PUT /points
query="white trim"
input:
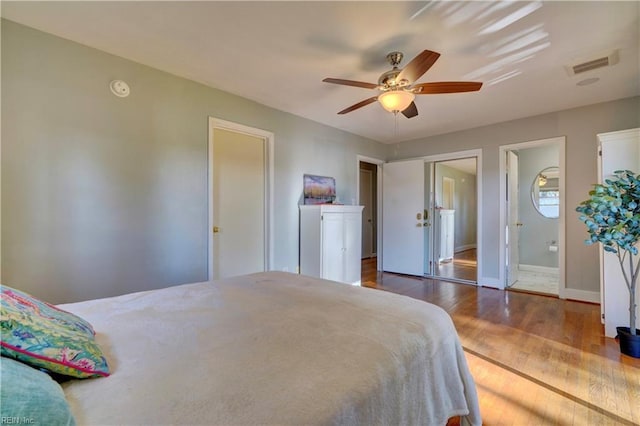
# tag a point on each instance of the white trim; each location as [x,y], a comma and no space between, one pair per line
[477,153]
[582,295]
[366,159]
[379,164]
[539,269]
[457,155]
[269,138]
[490,282]
[464,247]
[561,143]
[619,135]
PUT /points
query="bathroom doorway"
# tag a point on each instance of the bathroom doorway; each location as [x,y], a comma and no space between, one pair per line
[533,216]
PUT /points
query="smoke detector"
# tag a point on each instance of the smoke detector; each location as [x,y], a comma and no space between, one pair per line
[119,88]
[595,62]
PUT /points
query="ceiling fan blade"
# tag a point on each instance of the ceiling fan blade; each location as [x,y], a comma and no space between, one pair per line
[410,111]
[359,105]
[418,66]
[446,87]
[362,84]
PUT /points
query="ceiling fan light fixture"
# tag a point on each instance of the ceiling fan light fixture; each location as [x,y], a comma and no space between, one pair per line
[396,100]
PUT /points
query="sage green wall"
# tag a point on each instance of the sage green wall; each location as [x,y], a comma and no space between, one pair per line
[465,205]
[580,126]
[104,195]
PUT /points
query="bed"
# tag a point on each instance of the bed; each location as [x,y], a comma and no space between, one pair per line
[273,348]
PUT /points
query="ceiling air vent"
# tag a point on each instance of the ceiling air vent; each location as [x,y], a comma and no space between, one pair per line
[592,64]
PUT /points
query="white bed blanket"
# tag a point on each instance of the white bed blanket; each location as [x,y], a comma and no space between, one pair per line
[273,349]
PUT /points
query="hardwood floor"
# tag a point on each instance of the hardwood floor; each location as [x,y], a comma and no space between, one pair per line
[536,360]
[464,266]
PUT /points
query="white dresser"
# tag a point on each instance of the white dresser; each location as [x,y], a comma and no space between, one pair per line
[331,242]
[445,227]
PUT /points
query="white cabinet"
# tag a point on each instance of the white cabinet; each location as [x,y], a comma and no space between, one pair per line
[618,151]
[330,242]
[445,225]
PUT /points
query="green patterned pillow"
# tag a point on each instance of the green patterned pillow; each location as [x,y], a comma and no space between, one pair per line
[29,396]
[44,336]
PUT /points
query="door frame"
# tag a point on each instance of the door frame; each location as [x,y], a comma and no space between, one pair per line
[458,155]
[512,197]
[561,143]
[371,252]
[379,164]
[269,142]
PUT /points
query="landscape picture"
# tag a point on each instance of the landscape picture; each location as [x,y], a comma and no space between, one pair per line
[319,189]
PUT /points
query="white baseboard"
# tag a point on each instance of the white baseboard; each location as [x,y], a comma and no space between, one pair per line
[464,247]
[541,269]
[582,295]
[490,282]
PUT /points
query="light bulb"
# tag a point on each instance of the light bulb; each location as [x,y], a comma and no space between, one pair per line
[396,100]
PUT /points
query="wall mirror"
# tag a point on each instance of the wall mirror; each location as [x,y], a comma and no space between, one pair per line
[545,192]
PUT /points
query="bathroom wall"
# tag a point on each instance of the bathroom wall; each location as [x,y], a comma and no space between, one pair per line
[537,232]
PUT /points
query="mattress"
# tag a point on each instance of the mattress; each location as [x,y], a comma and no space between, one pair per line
[273,348]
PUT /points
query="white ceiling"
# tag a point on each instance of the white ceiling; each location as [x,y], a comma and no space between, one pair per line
[277,53]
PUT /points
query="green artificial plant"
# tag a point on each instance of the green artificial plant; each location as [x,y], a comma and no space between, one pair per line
[612,216]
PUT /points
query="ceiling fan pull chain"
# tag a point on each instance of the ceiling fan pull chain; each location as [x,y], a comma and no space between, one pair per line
[395,118]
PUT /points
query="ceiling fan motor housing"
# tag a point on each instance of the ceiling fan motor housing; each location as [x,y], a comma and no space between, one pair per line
[387,80]
[395,58]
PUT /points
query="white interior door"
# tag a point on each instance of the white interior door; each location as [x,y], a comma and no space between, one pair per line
[402,217]
[366,200]
[238,193]
[513,231]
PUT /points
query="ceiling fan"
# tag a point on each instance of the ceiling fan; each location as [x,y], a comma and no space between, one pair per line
[398,88]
